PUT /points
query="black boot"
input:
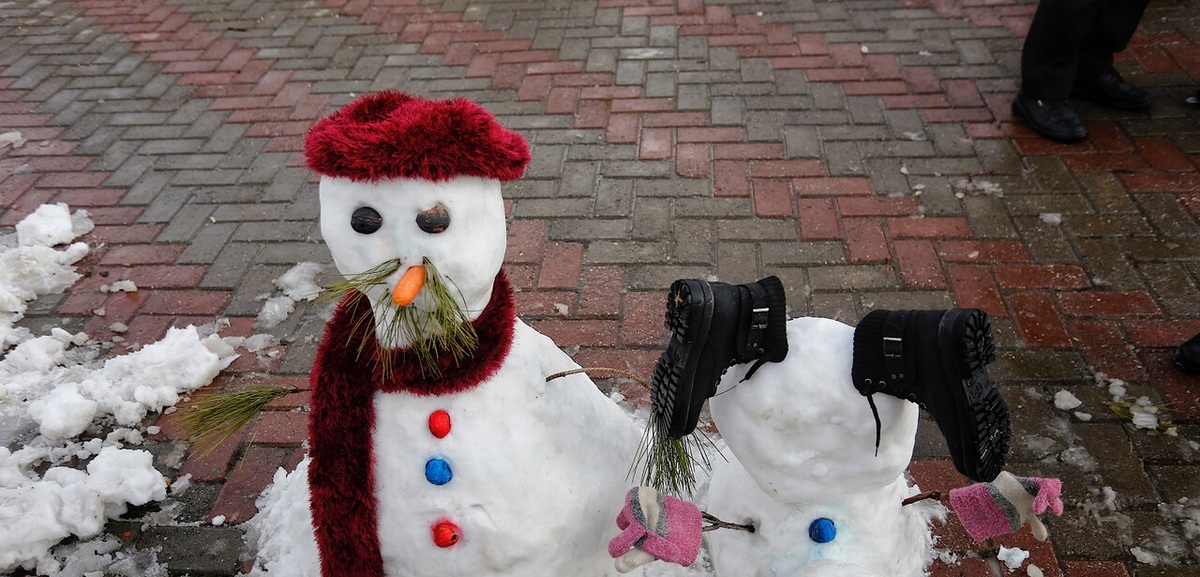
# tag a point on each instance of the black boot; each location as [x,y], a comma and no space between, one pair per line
[937,359]
[1188,355]
[714,325]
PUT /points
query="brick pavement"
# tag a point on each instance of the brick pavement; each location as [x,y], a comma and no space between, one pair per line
[862,151]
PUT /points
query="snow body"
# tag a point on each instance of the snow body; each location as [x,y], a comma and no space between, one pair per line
[537,470]
[803,448]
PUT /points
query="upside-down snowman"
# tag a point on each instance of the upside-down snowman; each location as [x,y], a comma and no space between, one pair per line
[437,445]
[816,459]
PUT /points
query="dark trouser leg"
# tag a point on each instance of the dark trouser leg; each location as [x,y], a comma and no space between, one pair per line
[1115,24]
[1050,57]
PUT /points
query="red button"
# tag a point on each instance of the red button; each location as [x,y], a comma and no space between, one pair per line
[445,534]
[439,423]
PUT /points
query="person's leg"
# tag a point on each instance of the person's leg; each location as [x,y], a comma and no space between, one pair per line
[1114,25]
[1050,57]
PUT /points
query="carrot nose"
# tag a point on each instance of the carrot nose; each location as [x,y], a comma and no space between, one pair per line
[409,285]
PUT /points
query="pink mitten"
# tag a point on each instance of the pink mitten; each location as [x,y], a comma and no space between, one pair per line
[1004,505]
[653,527]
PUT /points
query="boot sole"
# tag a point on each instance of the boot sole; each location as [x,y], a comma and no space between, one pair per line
[675,403]
[980,420]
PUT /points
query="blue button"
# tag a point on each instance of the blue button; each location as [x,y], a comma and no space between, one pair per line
[437,471]
[822,530]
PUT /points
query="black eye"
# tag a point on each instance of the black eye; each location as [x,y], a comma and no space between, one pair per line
[434,220]
[365,220]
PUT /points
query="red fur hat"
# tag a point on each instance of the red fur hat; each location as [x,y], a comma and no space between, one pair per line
[394,135]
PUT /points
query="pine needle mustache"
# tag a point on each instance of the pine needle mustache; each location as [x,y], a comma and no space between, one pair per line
[440,328]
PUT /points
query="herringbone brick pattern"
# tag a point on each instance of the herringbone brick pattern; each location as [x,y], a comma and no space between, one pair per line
[862,151]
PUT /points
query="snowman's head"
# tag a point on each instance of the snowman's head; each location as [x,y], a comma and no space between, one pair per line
[411,207]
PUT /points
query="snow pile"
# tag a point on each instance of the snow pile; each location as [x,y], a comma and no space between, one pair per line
[30,266]
[1012,557]
[297,284]
[12,138]
[1065,401]
[69,416]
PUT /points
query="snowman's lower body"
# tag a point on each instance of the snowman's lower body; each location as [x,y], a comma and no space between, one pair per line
[867,533]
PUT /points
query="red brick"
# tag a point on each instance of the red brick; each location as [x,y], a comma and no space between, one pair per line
[692,160]
[1161,332]
[1108,304]
[642,319]
[1107,136]
[562,101]
[1033,276]
[975,287]
[883,66]
[846,54]
[546,303]
[849,74]
[748,151]
[874,87]
[908,101]
[88,198]
[644,105]
[601,292]
[865,241]
[919,265]
[1161,182]
[526,241]
[125,234]
[554,68]
[772,198]
[731,178]
[1162,153]
[72,180]
[929,227]
[656,144]
[279,428]
[877,206]
[786,168]
[962,93]
[249,476]
[817,219]
[922,79]
[139,254]
[561,265]
[610,92]
[207,464]
[957,115]
[572,332]
[1038,321]
[639,361]
[174,276]
[1105,162]
[1104,347]
[622,128]
[591,114]
[536,88]
[831,186]
[186,302]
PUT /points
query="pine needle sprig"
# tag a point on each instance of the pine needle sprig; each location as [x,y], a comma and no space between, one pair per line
[669,465]
[211,420]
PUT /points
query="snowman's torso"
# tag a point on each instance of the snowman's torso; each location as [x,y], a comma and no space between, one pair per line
[803,448]
[530,473]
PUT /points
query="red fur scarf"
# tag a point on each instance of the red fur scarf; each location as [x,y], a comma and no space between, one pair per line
[341,476]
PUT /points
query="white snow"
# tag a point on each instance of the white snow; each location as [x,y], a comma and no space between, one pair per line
[1065,401]
[1051,217]
[1012,557]
[12,138]
[297,284]
[73,415]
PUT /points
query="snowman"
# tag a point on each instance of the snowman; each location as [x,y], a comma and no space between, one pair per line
[820,420]
[437,445]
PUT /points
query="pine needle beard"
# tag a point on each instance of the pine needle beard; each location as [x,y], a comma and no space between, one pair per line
[438,333]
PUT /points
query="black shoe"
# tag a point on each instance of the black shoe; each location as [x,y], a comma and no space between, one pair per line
[714,325]
[1110,90]
[937,359]
[1052,119]
[1188,355]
